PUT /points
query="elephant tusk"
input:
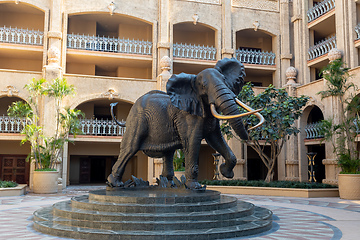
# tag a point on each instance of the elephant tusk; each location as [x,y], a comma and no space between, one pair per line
[226,117]
[252,111]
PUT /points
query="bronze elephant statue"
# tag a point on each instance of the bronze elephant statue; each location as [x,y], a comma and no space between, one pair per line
[161,122]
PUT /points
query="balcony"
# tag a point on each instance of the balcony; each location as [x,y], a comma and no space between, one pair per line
[192,51]
[11,124]
[313,131]
[21,36]
[321,48]
[95,127]
[250,56]
[357,30]
[320,9]
[109,44]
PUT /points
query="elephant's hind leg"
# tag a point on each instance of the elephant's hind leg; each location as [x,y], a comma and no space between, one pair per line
[168,167]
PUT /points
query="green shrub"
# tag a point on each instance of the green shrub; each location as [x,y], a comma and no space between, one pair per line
[275,184]
[7,184]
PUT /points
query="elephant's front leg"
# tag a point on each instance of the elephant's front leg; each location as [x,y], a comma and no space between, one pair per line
[217,142]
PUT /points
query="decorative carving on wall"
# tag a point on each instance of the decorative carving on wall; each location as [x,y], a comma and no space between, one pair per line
[334,54]
[110,94]
[195,17]
[269,5]
[53,56]
[256,25]
[291,74]
[111,8]
[10,91]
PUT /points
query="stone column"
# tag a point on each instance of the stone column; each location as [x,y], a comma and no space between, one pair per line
[286,55]
[352,18]
[165,65]
[163,44]
[342,28]
[227,49]
[289,166]
[301,39]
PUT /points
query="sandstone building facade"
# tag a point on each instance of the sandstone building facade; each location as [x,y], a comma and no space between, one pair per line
[115,51]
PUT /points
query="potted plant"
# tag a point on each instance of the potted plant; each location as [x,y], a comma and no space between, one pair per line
[46,150]
[342,134]
[179,161]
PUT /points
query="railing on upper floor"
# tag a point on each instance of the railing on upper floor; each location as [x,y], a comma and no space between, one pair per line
[313,131]
[102,127]
[322,47]
[11,124]
[320,9]
[357,30]
[255,56]
[109,44]
[183,50]
[21,36]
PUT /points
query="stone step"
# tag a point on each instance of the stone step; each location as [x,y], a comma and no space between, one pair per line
[64,209]
[46,214]
[83,202]
[157,196]
[247,228]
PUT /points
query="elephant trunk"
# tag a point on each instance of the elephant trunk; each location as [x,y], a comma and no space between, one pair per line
[226,104]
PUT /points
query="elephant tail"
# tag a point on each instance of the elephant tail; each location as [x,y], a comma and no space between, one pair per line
[112,105]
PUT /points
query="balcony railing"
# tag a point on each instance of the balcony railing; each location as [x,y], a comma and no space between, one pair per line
[255,57]
[322,47]
[21,36]
[320,9]
[109,44]
[357,30]
[11,124]
[101,127]
[313,131]
[183,50]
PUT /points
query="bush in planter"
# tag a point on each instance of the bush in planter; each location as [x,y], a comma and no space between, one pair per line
[342,135]
[7,184]
[46,150]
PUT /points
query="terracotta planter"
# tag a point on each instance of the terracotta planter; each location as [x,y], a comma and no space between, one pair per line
[45,181]
[349,186]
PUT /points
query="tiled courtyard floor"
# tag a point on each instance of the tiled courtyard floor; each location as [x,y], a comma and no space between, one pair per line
[294,218]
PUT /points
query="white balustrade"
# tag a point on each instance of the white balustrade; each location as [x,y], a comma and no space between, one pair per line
[109,44]
[11,124]
[96,127]
[183,50]
[21,36]
[322,47]
[320,9]
[357,30]
[313,130]
[255,57]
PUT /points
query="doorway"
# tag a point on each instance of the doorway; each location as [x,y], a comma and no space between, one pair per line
[14,168]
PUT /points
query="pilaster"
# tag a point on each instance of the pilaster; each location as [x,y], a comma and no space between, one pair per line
[163,45]
[227,49]
[286,55]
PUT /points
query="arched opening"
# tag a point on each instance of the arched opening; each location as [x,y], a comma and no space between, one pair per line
[94,153]
[13,164]
[196,42]
[313,141]
[117,34]
[21,24]
[256,169]
[255,48]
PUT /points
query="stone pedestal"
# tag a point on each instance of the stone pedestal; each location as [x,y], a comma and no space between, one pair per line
[153,213]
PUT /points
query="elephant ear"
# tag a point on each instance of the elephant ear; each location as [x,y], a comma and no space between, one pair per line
[183,94]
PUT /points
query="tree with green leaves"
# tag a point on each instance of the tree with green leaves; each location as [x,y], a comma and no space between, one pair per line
[342,134]
[46,150]
[280,112]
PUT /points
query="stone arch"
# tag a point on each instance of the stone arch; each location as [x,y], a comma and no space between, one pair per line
[212,27]
[136,17]
[94,97]
[35,4]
